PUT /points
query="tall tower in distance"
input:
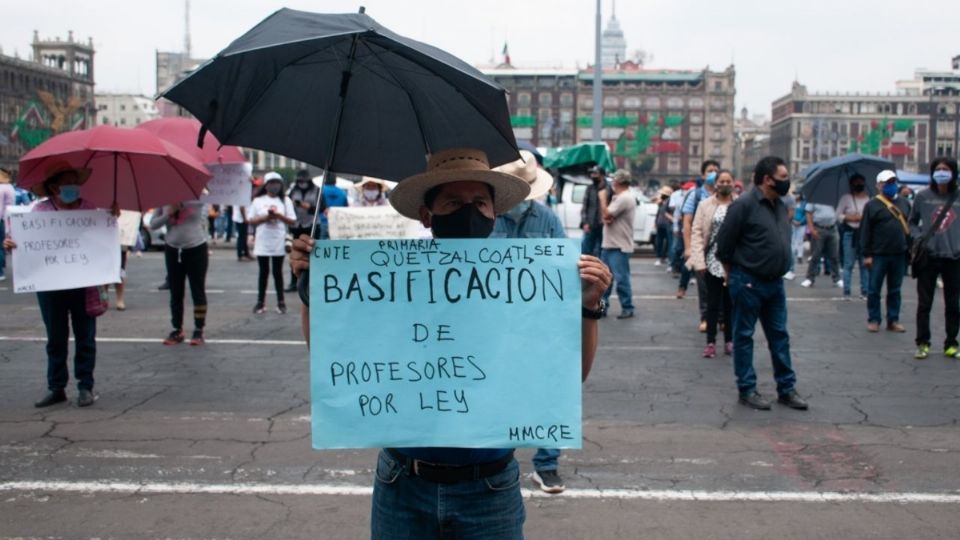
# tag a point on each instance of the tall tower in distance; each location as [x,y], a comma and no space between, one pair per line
[613,45]
[74,57]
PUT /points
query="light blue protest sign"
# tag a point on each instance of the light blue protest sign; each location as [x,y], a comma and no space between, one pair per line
[450,343]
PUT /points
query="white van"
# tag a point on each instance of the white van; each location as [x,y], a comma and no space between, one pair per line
[571,200]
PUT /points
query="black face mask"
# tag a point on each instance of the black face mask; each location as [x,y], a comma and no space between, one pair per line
[858,188]
[781,187]
[466,222]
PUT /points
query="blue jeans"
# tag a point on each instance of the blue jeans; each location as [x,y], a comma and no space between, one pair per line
[60,309]
[676,252]
[851,253]
[892,268]
[408,507]
[662,241]
[591,241]
[619,263]
[546,459]
[754,299]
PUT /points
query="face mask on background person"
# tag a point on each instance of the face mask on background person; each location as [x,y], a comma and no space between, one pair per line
[724,190]
[858,188]
[781,187]
[890,190]
[274,189]
[942,177]
[711,178]
[467,222]
[303,183]
[371,194]
[69,194]
[517,211]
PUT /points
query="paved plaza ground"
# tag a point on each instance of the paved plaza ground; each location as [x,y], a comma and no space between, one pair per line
[213,442]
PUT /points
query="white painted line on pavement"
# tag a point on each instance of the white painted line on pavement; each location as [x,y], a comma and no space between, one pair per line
[190,488]
[158,340]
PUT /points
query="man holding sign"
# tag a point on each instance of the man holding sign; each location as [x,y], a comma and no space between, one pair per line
[432,492]
[60,308]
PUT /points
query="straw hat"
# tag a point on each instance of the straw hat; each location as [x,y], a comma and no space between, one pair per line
[457,165]
[54,168]
[526,169]
[384,185]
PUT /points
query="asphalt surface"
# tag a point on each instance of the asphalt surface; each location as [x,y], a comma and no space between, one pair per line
[213,442]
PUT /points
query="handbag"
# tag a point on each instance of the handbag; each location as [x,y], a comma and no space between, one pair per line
[919,254]
[97,300]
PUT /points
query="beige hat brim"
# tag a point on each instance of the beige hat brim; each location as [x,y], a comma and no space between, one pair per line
[541,185]
[407,197]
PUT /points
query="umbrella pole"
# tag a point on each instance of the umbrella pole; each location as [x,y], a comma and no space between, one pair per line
[303,284]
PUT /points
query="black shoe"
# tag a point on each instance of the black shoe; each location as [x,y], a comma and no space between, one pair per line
[549,481]
[755,401]
[792,399]
[85,398]
[165,286]
[292,287]
[625,315]
[52,398]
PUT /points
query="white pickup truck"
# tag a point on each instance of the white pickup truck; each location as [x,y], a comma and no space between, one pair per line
[571,200]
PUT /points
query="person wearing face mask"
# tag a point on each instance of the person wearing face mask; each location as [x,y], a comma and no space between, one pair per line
[595,200]
[703,260]
[705,186]
[934,223]
[532,219]
[475,491]
[65,308]
[373,192]
[884,240]
[303,195]
[849,213]
[754,247]
[271,213]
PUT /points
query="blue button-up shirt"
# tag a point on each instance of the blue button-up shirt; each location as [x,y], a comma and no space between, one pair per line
[537,222]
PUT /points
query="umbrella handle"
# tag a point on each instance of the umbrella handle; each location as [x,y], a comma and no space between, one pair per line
[303,287]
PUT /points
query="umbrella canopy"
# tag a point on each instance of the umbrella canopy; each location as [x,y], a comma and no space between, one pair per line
[342,92]
[827,181]
[579,154]
[183,132]
[132,167]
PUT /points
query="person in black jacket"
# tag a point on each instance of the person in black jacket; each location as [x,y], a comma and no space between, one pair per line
[884,240]
[595,201]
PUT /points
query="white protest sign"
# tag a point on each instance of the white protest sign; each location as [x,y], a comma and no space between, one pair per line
[370,222]
[67,249]
[230,185]
[129,223]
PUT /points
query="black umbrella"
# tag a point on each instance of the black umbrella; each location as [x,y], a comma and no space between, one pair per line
[342,92]
[825,182]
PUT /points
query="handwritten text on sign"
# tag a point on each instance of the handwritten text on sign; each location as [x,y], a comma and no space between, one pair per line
[367,222]
[453,343]
[67,249]
[230,184]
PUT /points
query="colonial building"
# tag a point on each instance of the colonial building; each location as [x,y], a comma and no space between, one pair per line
[125,110]
[660,123]
[50,93]
[908,127]
[752,136]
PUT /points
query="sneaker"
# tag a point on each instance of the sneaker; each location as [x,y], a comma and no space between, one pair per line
[789,276]
[728,348]
[951,351]
[85,398]
[549,481]
[3,277]
[165,286]
[896,327]
[806,283]
[625,315]
[281,308]
[259,308]
[793,400]
[923,351]
[51,398]
[839,283]
[710,351]
[657,263]
[175,338]
[873,327]
[703,327]
[863,296]
[681,293]
[197,339]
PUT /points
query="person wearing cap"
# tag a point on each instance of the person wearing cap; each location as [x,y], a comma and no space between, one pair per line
[63,308]
[372,191]
[7,198]
[271,213]
[595,200]
[618,241]
[303,195]
[187,258]
[473,492]
[884,240]
[849,213]
[664,221]
[531,219]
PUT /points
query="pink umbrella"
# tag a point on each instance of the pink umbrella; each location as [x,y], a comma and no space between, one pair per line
[132,167]
[184,132]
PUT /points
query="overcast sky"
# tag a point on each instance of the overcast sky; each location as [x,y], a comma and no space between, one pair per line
[828,45]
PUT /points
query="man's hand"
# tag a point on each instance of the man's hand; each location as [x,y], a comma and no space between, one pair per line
[814,234]
[9,244]
[595,278]
[300,254]
[115,209]
[868,262]
[686,254]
